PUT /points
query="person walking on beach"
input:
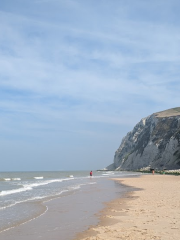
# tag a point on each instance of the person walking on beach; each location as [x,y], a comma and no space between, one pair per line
[90,173]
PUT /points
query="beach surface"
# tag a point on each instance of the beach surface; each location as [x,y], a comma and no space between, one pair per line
[151,211]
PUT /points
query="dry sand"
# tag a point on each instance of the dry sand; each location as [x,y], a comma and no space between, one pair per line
[151,212]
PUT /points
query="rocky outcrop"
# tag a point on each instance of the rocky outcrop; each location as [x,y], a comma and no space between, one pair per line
[153,143]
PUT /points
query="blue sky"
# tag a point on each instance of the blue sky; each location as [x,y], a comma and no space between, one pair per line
[76,76]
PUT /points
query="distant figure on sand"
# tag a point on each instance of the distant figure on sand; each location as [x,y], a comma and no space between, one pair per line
[90,173]
[152,170]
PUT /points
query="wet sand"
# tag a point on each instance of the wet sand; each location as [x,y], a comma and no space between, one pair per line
[150,212]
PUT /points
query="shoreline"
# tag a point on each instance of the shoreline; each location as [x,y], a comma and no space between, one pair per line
[150,211]
[69,214]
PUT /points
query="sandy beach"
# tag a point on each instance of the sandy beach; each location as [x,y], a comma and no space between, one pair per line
[152,211]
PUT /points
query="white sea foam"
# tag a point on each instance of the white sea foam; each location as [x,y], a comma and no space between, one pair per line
[28,187]
[7,192]
[33,199]
[17,202]
[11,179]
[39,177]
[75,187]
[46,182]
[107,173]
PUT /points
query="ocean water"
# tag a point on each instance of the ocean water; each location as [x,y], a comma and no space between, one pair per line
[21,193]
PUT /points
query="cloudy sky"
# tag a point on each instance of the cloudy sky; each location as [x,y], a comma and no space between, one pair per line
[77,75]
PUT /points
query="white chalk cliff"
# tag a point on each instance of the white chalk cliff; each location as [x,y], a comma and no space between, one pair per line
[153,143]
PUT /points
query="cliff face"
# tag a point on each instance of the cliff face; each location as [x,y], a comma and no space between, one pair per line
[153,143]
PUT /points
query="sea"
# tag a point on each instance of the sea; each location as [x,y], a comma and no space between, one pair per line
[22,195]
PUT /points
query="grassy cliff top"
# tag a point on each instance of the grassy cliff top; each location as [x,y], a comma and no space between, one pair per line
[168,113]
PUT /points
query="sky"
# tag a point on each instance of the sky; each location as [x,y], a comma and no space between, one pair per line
[77,75]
